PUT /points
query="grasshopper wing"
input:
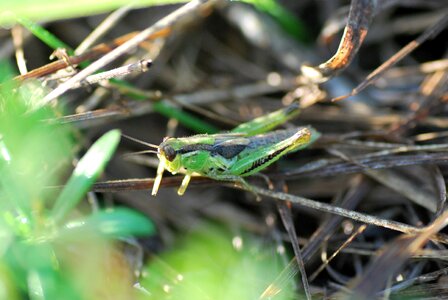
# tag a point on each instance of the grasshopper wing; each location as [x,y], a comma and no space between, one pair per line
[230,148]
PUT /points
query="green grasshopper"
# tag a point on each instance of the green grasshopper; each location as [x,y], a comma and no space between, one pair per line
[244,151]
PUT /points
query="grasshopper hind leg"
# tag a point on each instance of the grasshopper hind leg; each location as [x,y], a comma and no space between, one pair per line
[266,180]
[240,181]
[235,179]
[248,187]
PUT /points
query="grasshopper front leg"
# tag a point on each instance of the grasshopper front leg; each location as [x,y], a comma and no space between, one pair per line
[158,179]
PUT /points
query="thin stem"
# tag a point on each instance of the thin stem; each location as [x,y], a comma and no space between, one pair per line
[124,48]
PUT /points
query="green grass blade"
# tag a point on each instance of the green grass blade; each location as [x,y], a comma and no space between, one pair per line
[44,35]
[85,174]
[63,9]
[184,118]
[162,107]
[287,20]
[112,224]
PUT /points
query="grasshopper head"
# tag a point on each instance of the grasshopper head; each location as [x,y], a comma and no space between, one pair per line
[169,156]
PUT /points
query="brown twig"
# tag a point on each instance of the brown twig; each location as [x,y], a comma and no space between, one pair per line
[372,77]
[165,22]
[359,19]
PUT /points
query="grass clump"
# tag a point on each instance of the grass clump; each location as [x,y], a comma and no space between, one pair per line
[50,250]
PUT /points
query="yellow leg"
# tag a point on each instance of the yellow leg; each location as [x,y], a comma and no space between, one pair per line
[158,179]
[184,185]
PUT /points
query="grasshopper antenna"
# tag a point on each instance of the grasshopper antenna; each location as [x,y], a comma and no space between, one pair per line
[161,166]
[140,141]
[139,152]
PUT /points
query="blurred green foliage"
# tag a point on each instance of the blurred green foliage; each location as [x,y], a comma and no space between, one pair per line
[285,18]
[49,250]
[211,263]
[45,10]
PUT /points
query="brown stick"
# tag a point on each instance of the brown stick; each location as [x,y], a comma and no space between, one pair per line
[94,53]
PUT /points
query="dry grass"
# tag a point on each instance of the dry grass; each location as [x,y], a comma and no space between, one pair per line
[376,177]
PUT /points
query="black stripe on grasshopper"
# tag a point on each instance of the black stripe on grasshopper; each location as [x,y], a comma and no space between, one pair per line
[264,160]
[227,151]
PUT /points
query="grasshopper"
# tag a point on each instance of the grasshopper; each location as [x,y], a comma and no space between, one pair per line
[244,151]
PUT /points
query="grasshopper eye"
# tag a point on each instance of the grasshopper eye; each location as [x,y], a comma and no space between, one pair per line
[169,152]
